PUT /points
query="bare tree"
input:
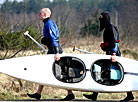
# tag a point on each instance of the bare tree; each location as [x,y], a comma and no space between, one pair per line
[128,20]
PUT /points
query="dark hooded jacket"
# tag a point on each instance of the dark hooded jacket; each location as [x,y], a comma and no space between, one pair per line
[110,35]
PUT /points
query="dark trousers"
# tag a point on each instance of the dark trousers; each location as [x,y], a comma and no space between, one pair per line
[109,52]
[52,50]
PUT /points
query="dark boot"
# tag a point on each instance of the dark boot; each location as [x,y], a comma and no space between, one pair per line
[92,96]
[129,97]
[35,95]
[68,97]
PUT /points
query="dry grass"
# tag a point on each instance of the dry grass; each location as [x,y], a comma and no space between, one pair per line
[12,88]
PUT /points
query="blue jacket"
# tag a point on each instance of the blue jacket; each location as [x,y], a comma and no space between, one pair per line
[51,32]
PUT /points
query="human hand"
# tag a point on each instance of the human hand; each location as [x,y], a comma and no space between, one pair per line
[57,57]
[113,58]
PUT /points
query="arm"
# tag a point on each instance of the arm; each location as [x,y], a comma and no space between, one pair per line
[114,51]
[116,39]
[54,34]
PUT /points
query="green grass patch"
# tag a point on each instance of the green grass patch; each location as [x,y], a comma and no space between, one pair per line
[132,53]
[9,96]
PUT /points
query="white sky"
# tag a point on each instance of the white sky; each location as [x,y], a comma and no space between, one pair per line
[2,1]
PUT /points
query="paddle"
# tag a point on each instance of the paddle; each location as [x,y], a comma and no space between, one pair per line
[74,48]
[27,34]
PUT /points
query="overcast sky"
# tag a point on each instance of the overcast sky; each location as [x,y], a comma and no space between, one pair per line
[2,1]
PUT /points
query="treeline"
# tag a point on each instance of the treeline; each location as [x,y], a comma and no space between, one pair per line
[35,5]
[78,18]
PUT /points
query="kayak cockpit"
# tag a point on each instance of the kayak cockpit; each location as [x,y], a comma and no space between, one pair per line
[105,72]
[69,69]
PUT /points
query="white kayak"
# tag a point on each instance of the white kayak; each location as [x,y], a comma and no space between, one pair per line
[84,72]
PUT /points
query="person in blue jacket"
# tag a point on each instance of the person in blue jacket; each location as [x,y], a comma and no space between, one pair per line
[110,46]
[51,40]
